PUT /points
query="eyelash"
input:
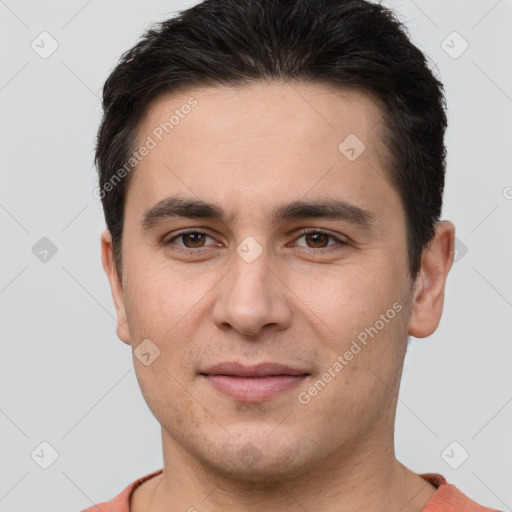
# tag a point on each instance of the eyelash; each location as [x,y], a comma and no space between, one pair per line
[306,231]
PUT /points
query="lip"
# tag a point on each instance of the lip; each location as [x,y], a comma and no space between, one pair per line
[265,369]
[256,383]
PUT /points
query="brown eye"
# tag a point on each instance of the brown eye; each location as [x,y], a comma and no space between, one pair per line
[317,240]
[193,240]
[189,240]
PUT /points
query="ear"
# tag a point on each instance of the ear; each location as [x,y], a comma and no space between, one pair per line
[428,294]
[116,286]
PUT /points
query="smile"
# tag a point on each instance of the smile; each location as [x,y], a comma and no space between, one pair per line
[253,383]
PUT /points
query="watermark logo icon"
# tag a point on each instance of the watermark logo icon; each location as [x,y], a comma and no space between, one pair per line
[44,250]
[44,45]
[454,45]
[44,455]
[249,455]
[352,147]
[249,250]
[455,455]
[147,352]
[460,250]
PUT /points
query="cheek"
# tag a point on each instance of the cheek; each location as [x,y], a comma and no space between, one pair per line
[158,297]
[167,308]
[164,394]
[349,299]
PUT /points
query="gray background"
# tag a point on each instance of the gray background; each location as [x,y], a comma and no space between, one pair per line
[67,380]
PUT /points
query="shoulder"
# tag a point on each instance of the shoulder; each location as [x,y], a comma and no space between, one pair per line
[450,499]
[121,503]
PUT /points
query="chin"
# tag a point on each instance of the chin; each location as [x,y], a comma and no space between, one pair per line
[261,457]
[251,466]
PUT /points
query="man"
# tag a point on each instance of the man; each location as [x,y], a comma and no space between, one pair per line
[271,173]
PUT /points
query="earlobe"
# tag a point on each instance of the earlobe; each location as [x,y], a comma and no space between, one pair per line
[429,286]
[116,287]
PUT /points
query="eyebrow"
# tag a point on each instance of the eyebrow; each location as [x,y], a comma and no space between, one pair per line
[328,208]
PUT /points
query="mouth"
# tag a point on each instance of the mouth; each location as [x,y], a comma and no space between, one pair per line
[257,383]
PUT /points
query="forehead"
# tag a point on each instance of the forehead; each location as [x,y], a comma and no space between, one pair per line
[264,109]
[261,142]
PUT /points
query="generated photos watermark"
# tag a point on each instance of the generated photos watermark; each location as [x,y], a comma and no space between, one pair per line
[342,361]
[149,144]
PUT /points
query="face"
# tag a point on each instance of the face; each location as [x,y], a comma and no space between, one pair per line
[261,229]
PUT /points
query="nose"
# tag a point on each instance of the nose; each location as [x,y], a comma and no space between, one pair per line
[252,298]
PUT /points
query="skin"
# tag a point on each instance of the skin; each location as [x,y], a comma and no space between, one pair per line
[301,302]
